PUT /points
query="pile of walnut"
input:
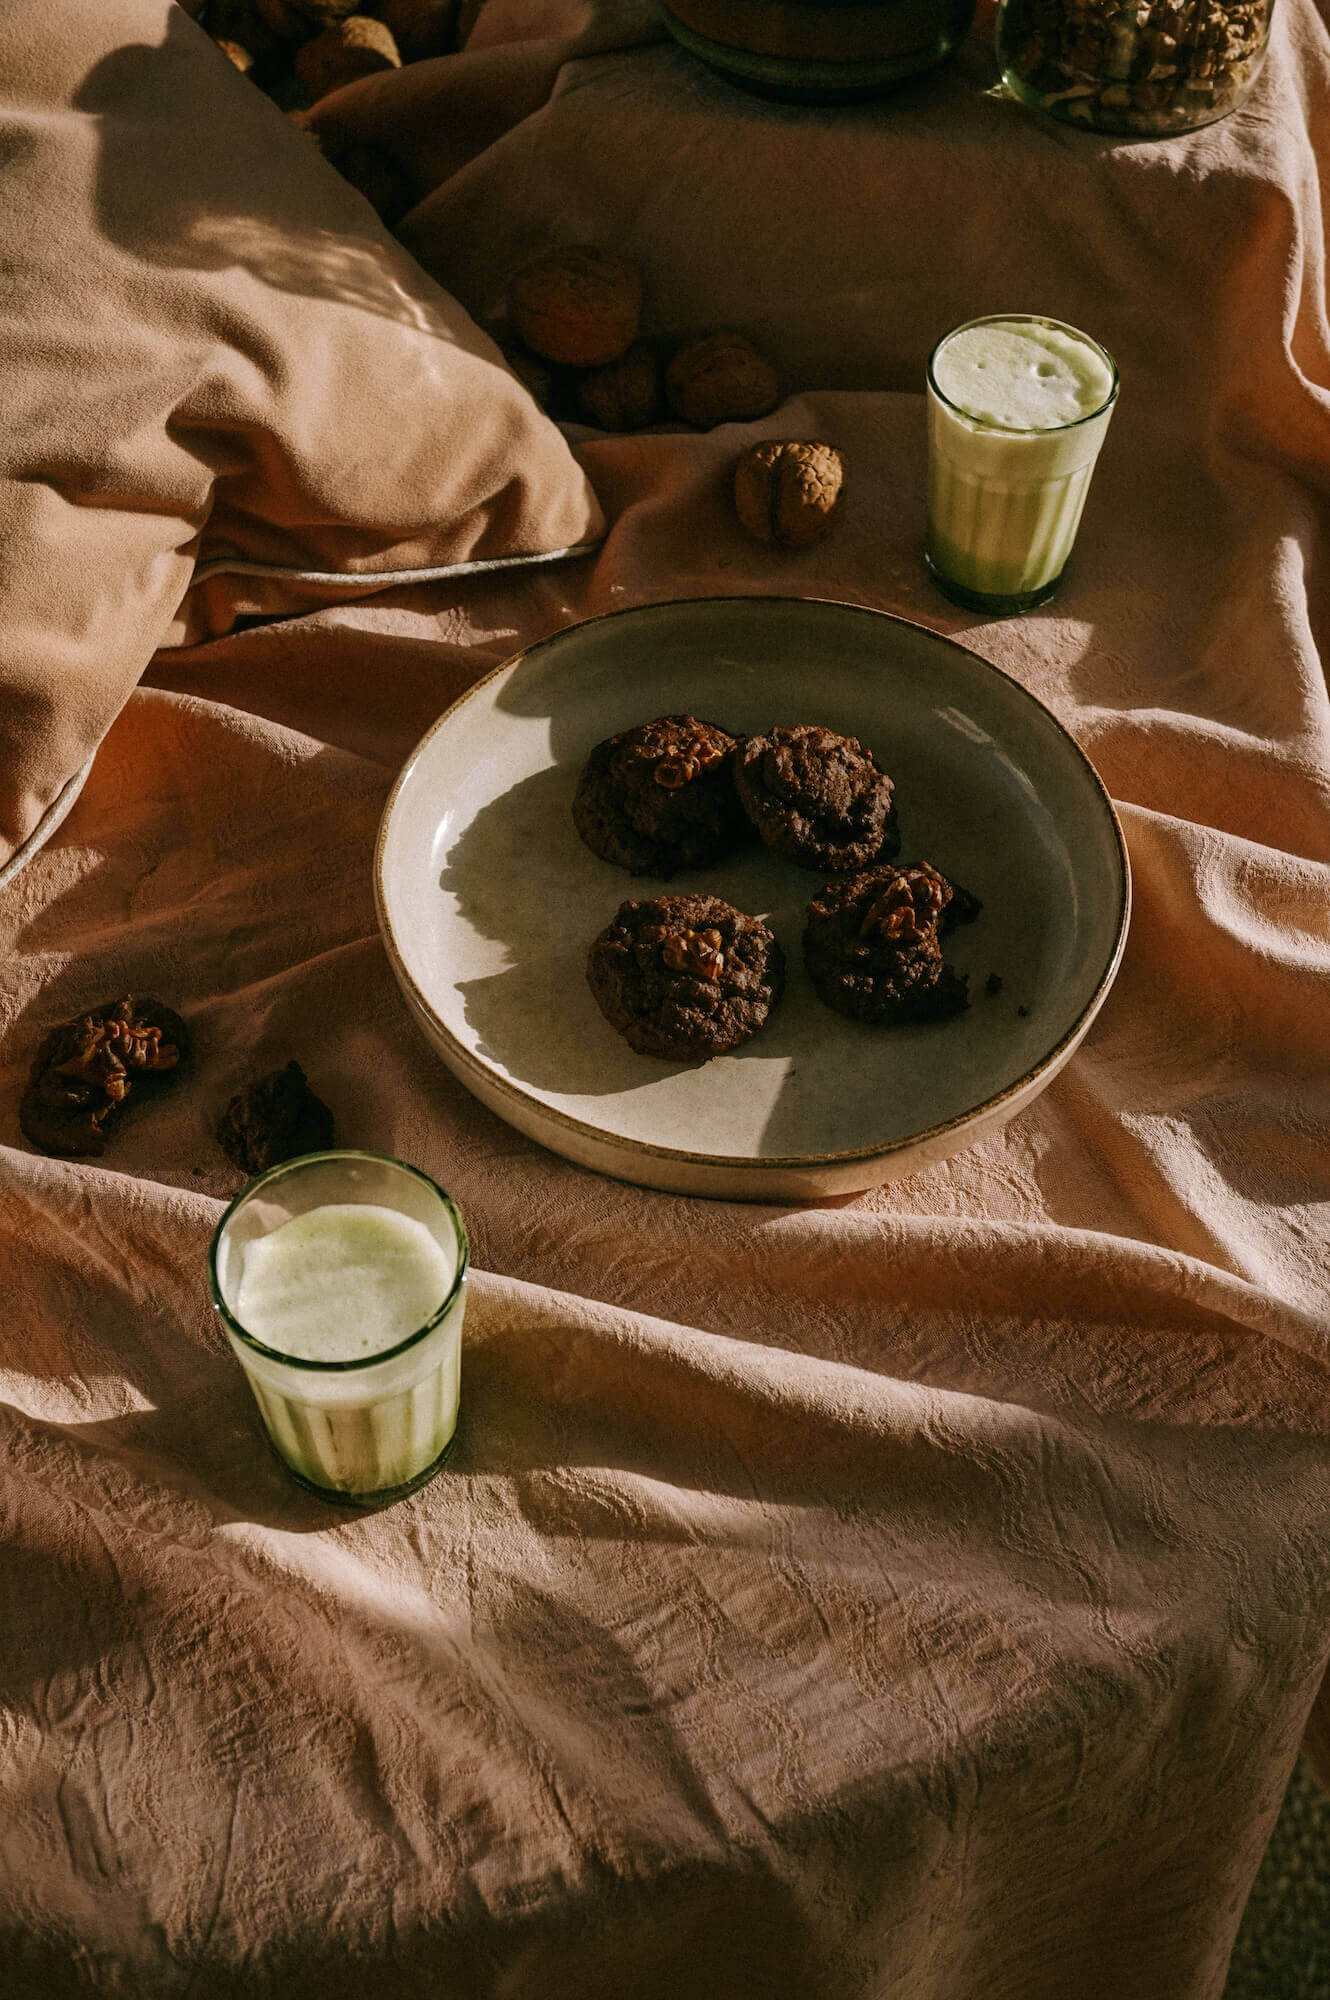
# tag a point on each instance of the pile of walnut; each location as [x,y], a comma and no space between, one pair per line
[297,51]
[574,316]
[574,336]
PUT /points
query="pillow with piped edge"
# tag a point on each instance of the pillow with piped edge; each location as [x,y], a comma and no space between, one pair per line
[224,388]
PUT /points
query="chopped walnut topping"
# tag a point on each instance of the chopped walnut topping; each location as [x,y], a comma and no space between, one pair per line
[699,953]
[906,909]
[674,772]
[87,1068]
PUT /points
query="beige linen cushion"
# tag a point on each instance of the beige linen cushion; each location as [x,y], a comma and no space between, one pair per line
[212,356]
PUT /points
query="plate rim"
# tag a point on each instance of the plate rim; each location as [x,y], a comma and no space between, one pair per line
[748,1162]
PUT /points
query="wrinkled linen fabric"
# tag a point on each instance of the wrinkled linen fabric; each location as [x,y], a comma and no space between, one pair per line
[213,360]
[917,1594]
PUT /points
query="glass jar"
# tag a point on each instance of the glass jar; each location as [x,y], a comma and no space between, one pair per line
[1144,70]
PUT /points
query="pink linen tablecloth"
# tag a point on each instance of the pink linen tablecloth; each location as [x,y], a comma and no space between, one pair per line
[922,1594]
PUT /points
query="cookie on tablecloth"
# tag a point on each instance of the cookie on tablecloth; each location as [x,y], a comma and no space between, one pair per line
[87,1070]
[661,797]
[873,944]
[685,977]
[819,798]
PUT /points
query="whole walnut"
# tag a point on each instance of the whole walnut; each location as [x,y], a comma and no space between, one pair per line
[721,379]
[580,306]
[345,51]
[625,394]
[787,489]
[420,28]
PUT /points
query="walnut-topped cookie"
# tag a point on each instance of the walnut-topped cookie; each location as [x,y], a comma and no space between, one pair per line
[661,797]
[685,978]
[86,1070]
[873,944]
[819,798]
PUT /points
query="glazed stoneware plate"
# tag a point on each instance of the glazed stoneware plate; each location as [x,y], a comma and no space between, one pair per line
[488,900]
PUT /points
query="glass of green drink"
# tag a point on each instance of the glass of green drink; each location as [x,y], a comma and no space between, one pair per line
[341,1281]
[1018,407]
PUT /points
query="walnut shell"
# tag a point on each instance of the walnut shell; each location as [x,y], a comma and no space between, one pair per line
[786,490]
[347,50]
[625,394]
[276,1118]
[420,28]
[721,379]
[234,52]
[580,306]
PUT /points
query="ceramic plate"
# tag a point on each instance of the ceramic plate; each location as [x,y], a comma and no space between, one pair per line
[488,900]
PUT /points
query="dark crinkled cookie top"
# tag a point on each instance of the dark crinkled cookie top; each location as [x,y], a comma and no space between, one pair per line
[276,1118]
[817,797]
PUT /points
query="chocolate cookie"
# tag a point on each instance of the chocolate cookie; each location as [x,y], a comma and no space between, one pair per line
[873,944]
[817,797]
[276,1118]
[661,797]
[86,1070]
[685,977]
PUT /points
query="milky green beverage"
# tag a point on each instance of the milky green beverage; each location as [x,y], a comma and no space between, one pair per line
[1017,411]
[341,1281]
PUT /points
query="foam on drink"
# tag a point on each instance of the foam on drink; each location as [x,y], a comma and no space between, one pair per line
[342,1282]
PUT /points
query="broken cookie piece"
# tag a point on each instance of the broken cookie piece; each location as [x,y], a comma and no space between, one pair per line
[275,1119]
[87,1069]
